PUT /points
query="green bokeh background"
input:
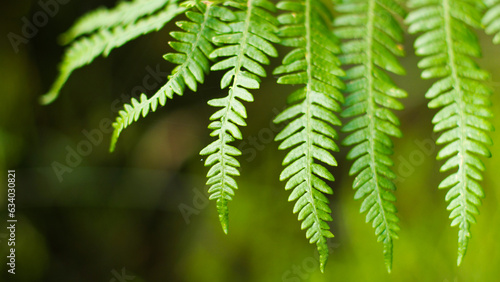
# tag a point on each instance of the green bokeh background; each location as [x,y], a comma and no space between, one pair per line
[120,213]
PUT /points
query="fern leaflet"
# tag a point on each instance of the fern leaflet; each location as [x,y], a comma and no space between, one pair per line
[491,19]
[246,49]
[84,50]
[448,45]
[310,134]
[194,47]
[373,37]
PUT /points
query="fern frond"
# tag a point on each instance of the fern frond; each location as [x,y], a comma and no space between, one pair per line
[245,49]
[310,113]
[372,41]
[491,19]
[125,13]
[194,46]
[84,50]
[448,45]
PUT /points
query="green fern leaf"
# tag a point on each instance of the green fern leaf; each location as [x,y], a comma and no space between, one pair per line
[245,49]
[123,14]
[194,46]
[311,114]
[84,50]
[372,37]
[448,45]
[491,19]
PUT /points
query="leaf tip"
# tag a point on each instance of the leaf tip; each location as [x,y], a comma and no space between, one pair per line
[224,223]
[112,146]
[389,267]
[114,139]
[460,258]
[462,249]
[48,98]
[322,263]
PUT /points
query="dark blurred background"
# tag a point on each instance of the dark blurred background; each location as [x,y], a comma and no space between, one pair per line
[141,213]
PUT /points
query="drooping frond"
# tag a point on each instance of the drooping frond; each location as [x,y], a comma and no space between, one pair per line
[245,50]
[491,19]
[194,46]
[125,13]
[310,113]
[448,44]
[85,49]
[372,41]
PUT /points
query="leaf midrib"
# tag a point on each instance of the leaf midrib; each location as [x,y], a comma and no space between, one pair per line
[461,124]
[224,118]
[309,117]
[371,113]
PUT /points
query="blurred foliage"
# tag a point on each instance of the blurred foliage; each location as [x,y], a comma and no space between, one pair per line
[119,213]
